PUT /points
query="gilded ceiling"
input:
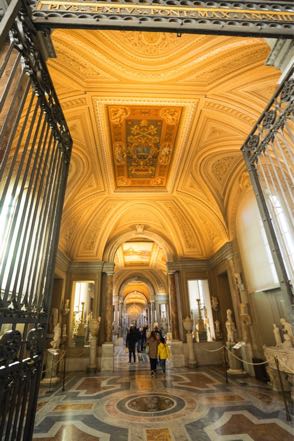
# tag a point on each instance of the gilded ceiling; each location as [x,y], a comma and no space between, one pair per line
[142,141]
[157,122]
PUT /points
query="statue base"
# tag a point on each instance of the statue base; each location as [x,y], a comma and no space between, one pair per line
[235,365]
[51,367]
[246,352]
[177,354]
[107,357]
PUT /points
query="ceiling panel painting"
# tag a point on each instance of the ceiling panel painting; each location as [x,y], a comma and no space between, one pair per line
[143,139]
[137,253]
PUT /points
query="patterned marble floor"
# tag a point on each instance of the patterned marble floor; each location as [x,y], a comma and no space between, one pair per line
[183,405]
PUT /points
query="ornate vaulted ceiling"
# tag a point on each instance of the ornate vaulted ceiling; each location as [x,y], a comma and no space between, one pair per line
[157,122]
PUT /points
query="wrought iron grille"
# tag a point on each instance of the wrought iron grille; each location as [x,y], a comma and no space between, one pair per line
[269,154]
[35,147]
[272,18]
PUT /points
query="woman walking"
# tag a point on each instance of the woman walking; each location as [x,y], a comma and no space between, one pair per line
[152,343]
[163,354]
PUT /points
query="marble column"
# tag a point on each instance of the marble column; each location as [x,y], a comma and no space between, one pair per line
[152,317]
[157,310]
[108,306]
[174,319]
[120,315]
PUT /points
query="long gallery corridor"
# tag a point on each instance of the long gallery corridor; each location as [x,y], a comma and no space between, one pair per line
[146,216]
[184,405]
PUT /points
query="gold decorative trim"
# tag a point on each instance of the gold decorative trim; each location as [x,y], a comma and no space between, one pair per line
[165,11]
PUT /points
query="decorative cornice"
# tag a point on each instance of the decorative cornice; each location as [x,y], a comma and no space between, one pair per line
[86,267]
[108,268]
[187,265]
[62,261]
[226,252]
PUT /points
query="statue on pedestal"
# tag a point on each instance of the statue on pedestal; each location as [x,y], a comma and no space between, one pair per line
[94,325]
[277,335]
[287,329]
[245,321]
[214,303]
[230,327]
[55,343]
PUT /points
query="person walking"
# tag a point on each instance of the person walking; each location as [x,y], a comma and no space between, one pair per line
[152,343]
[131,342]
[163,354]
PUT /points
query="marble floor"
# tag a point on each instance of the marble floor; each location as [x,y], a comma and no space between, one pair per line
[183,405]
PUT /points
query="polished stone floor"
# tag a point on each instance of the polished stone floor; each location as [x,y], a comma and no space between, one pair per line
[183,405]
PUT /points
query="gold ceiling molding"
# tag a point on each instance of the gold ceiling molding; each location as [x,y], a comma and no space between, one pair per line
[190,213]
[113,55]
[229,109]
[143,140]
[113,150]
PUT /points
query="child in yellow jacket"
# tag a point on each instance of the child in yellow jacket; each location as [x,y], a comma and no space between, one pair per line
[163,354]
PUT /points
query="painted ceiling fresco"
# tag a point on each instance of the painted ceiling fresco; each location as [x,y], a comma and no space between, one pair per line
[143,140]
[137,253]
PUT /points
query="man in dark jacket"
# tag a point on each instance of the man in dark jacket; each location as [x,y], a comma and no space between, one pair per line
[132,337]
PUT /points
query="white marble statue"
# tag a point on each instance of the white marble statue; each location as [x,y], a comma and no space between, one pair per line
[55,343]
[230,327]
[245,321]
[287,343]
[287,328]
[217,328]
[94,325]
[277,335]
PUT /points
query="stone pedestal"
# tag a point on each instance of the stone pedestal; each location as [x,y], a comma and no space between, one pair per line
[235,366]
[51,367]
[174,319]
[192,362]
[92,354]
[246,355]
[285,357]
[275,380]
[107,357]
[108,306]
[119,341]
[177,354]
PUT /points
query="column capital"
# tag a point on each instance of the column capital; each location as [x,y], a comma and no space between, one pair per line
[108,268]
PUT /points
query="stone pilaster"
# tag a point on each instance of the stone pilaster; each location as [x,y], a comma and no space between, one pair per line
[109,270]
[174,319]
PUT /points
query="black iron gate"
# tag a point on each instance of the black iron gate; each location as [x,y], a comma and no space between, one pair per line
[35,147]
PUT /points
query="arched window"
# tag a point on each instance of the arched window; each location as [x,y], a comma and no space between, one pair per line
[255,252]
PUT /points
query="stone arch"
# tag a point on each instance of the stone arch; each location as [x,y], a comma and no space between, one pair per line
[113,245]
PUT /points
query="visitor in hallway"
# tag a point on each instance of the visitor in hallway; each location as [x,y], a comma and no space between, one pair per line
[163,354]
[153,343]
[158,332]
[131,342]
[144,337]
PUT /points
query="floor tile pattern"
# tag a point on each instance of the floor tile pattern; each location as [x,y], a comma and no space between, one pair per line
[183,405]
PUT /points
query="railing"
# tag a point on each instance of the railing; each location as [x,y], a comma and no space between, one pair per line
[35,147]
[269,154]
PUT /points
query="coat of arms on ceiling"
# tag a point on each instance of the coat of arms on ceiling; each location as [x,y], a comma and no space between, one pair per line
[143,140]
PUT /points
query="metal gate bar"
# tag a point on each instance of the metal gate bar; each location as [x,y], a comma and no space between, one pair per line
[35,147]
[268,153]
